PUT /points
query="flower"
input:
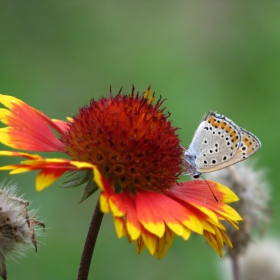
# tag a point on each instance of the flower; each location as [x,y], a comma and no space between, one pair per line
[254,205]
[125,146]
[16,227]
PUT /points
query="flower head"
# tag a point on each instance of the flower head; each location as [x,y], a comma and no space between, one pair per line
[129,139]
[16,227]
[125,146]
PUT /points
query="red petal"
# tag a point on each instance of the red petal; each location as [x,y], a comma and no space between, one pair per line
[28,128]
[123,204]
[46,177]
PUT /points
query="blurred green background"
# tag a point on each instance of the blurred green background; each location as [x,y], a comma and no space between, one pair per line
[200,55]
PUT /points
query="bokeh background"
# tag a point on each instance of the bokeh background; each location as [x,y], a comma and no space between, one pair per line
[199,55]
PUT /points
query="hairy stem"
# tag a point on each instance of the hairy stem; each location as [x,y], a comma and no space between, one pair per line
[90,243]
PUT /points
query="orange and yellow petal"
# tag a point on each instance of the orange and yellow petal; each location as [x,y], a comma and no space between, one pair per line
[216,240]
[123,205]
[164,244]
[28,128]
[198,194]
[140,245]
[155,211]
[51,168]
[46,177]
[120,227]
[155,245]
[151,219]
[20,154]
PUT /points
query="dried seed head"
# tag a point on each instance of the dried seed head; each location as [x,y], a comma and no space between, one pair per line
[254,204]
[16,226]
[260,261]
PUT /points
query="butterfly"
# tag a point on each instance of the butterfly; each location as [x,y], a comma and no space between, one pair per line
[218,143]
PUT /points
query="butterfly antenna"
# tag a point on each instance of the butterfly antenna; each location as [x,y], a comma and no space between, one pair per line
[204,192]
[210,189]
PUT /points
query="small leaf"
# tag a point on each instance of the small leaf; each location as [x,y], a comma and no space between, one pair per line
[77,178]
[90,188]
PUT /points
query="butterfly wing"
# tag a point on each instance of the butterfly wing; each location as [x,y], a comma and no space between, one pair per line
[218,143]
[215,142]
[249,145]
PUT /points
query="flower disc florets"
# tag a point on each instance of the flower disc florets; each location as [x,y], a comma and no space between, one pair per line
[129,139]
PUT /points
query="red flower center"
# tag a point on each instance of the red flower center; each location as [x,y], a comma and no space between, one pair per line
[129,139]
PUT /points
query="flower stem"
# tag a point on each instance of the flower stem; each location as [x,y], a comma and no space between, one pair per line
[235,267]
[90,243]
[3,269]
